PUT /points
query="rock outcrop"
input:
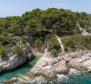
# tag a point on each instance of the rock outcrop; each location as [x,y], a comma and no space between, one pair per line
[49,68]
[12,63]
[14,60]
[61,67]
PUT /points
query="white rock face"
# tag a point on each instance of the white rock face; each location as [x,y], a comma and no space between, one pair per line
[12,63]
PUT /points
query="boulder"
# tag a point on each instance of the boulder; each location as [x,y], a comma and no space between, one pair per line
[61,67]
[48,72]
[73,71]
[87,64]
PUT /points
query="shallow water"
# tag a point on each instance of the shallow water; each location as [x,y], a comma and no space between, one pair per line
[20,71]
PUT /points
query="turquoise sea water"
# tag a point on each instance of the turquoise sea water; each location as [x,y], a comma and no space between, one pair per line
[20,71]
[79,79]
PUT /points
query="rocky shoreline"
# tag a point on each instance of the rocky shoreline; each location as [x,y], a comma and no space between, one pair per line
[49,69]
[12,63]
[14,60]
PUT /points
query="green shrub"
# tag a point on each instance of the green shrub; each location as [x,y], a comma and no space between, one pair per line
[2,52]
[54,47]
[77,42]
[37,42]
[18,49]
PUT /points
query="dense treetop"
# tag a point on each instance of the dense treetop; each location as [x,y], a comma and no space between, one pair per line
[34,26]
[52,19]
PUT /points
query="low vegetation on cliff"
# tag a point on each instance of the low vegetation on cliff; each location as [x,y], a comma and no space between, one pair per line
[77,42]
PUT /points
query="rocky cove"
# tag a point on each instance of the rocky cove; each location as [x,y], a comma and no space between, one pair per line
[17,66]
[19,71]
[50,70]
[51,46]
